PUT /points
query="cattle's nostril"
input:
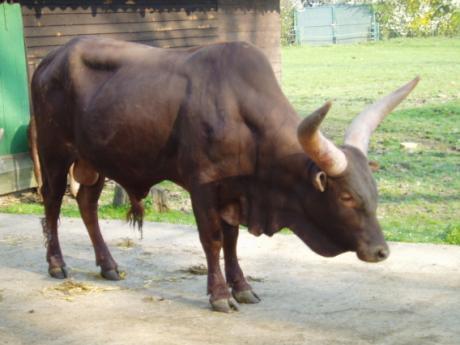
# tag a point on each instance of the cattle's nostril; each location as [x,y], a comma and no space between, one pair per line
[382,253]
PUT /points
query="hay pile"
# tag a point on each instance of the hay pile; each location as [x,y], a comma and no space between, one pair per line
[70,289]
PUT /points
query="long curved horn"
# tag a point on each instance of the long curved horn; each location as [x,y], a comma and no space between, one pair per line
[322,151]
[360,130]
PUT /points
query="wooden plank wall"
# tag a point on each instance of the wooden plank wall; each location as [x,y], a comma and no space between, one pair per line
[163,23]
[256,21]
[160,23]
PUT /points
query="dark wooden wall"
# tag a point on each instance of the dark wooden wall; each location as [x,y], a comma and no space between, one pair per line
[256,21]
[159,23]
[163,23]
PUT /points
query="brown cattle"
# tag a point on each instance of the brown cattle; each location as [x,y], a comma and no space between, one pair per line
[214,120]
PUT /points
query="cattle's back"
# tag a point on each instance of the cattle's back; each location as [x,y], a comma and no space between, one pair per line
[148,113]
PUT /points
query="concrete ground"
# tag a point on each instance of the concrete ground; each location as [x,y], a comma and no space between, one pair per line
[412,298]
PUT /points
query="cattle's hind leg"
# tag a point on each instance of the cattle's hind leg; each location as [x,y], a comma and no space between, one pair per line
[87,199]
[241,290]
[54,183]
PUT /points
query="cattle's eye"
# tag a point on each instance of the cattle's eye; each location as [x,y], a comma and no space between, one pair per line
[348,199]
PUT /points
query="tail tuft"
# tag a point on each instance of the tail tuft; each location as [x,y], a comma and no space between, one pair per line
[135,215]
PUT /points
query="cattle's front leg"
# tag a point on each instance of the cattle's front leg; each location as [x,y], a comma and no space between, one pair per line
[211,237]
[241,289]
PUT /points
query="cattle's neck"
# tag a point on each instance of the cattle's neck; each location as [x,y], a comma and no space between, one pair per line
[271,198]
[276,198]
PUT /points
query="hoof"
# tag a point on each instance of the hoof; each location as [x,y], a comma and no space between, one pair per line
[246,296]
[111,274]
[224,305]
[58,272]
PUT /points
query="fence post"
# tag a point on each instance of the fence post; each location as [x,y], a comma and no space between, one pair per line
[296,28]
[377,29]
[334,37]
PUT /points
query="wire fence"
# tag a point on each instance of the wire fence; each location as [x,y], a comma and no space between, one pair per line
[335,25]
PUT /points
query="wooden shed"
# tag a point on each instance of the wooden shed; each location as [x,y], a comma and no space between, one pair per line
[43,25]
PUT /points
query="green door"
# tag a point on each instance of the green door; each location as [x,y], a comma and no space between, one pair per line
[15,165]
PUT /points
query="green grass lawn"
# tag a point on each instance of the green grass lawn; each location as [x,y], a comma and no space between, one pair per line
[420,190]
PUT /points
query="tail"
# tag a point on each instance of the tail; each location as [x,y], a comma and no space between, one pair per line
[32,136]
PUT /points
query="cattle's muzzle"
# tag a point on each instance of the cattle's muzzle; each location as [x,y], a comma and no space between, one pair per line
[374,253]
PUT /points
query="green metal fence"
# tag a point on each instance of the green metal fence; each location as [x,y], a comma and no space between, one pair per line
[15,164]
[335,24]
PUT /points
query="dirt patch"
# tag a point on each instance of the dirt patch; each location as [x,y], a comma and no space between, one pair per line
[255,279]
[126,243]
[152,299]
[70,289]
[28,197]
[412,298]
[14,240]
[197,270]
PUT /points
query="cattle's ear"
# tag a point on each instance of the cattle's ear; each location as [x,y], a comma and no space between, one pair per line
[374,166]
[320,181]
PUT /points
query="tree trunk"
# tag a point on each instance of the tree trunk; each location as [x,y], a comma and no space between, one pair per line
[159,199]
[120,197]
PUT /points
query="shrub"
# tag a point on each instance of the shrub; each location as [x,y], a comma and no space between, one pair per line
[453,235]
[418,17]
[287,22]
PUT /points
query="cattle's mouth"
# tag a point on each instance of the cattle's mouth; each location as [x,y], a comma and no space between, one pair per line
[318,240]
[373,253]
